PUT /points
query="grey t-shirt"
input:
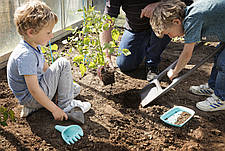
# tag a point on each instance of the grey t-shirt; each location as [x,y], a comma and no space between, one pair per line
[204,18]
[24,60]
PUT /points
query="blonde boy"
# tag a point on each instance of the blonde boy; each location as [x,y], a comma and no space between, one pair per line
[204,18]
[29,77]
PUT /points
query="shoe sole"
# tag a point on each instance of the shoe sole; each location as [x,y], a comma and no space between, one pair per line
[200,94]
[212,110]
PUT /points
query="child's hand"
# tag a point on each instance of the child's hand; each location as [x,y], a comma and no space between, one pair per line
[59,115]
[171,74]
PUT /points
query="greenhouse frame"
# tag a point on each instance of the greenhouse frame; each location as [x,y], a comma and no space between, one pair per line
[66,10]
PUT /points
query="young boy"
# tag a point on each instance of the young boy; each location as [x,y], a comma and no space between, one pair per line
[204,18]
[29,77]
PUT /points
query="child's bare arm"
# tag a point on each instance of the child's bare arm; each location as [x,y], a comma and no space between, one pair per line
[41,97]
[183,59]
[45,67]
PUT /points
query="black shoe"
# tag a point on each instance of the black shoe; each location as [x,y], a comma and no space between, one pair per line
[151,72]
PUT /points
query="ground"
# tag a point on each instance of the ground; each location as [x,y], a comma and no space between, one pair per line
[116,122]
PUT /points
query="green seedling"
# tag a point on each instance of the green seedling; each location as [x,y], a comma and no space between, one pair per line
[5,115]
[47,53]
[86,40]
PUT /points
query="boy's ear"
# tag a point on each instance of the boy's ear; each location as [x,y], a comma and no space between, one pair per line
[177,21]
[30,32]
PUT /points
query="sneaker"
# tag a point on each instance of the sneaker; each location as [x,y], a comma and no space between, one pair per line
[203,89]
[85,106]
[151,72]
[212,103]
[26,111]
[76,89]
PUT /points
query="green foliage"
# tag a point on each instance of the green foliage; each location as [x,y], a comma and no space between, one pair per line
[86,40]
[6,114]
[47,53]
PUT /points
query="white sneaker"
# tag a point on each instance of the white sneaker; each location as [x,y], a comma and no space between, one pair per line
[76,89]
[212,103]
[85,106]
[203,89]
[26,111]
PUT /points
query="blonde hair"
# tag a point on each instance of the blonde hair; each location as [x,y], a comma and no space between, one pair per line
[164,14]
[33,15]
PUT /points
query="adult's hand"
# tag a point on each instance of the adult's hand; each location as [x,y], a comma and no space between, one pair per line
[148,10]
[110,63]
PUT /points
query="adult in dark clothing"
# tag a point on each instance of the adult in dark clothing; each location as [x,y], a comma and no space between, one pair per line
[138,36]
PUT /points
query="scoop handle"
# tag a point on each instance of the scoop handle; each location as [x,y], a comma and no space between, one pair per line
[60,128]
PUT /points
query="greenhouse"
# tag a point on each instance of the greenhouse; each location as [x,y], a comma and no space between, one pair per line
[112,75]
[66,10]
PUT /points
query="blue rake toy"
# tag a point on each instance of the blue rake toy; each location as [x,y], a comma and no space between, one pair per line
[70,134]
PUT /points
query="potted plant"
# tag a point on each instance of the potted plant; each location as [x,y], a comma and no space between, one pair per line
[86,40]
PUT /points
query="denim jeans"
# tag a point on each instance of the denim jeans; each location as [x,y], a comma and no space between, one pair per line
[217,78]
[141,45]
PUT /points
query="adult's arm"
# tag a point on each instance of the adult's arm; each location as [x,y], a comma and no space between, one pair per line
[112,8]
[147,11]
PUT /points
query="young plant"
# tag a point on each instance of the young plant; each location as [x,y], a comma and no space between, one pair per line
[51,54]
[87,41]
[5,115]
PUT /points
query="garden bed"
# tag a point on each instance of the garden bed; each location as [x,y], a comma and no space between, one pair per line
[116,121]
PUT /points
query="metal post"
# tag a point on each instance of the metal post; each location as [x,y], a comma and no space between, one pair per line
[63,25]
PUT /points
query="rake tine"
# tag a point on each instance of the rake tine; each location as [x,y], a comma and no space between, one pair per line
[75,139]
[80,133]
[77,136]
[71,140]
[67,141]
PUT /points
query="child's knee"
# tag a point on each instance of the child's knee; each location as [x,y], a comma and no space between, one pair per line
[64,61]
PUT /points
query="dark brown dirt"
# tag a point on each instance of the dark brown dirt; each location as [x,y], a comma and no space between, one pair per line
[106,74]
[116,121]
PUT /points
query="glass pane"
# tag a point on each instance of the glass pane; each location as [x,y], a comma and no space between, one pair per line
[8,34]
[99,5]
[55,5]
[71,13]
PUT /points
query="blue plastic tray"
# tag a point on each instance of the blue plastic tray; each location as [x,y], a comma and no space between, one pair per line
[170,117]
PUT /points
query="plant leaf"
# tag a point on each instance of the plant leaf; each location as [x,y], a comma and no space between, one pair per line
[82,69]
[115,34]
[54,47]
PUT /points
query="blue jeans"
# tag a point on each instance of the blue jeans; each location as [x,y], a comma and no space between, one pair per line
[217,77]
[141,45]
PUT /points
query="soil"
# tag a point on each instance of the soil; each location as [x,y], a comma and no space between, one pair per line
[182,118]
[116,121]
[106,75]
